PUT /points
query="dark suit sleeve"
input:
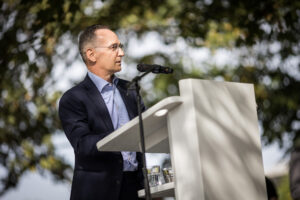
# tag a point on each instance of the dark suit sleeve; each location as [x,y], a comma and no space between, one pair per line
[73,116]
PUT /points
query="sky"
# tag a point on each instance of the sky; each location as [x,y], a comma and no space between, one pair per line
[33,186]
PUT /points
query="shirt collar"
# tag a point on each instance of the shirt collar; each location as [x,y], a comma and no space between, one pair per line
[100,82]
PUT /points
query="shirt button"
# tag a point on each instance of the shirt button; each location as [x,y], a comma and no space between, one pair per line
[118,182]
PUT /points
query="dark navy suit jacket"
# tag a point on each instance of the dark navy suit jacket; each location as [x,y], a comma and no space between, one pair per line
[86,120]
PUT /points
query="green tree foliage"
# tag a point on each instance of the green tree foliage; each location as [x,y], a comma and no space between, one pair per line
[29,33]
[283,189]
[265,33]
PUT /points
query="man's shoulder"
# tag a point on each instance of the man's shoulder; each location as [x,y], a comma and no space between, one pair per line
[74,92]
[77,87]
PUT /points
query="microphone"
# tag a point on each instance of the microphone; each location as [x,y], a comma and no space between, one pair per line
[156,69]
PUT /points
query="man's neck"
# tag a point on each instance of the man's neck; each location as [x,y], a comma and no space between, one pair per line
[106,76]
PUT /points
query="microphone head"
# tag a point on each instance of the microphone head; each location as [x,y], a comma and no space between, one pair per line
[156,69]
[142,67]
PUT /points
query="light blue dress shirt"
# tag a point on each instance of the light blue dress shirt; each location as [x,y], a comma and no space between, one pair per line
[117,111]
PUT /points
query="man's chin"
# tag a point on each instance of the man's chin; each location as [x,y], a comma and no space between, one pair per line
[117,68]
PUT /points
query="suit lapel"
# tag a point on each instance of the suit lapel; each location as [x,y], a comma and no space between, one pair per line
[97,99]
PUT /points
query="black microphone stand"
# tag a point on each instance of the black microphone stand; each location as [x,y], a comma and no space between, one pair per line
[135,82]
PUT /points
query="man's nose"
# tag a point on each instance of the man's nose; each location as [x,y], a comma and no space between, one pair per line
[121,52]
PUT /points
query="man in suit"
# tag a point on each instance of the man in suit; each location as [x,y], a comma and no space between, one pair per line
[93,109]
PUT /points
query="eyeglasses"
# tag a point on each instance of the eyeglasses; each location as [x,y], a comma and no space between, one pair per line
[114,47]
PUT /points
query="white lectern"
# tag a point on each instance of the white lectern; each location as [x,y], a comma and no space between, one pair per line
[211,132]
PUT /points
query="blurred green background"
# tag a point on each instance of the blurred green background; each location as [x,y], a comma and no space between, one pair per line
[259,41]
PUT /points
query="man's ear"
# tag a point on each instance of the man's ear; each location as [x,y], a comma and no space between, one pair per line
[90,55]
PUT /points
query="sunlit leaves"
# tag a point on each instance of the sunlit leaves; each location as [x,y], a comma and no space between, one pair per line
[221,35]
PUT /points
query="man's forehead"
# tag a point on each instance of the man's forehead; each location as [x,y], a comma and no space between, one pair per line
[106,35]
